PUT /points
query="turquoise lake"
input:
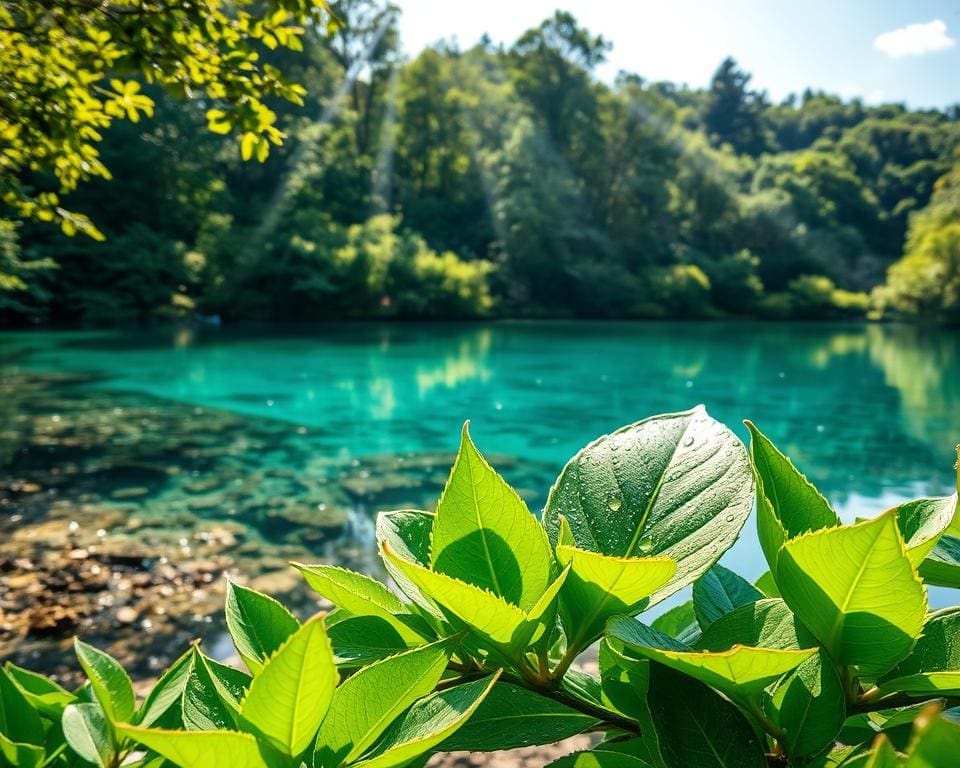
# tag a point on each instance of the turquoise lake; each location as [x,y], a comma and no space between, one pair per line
[871,413]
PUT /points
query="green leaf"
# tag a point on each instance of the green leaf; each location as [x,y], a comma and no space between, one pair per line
[44,695]
[718,592]
[678,485]
[191,749]
[809,707]
[767,623]
[680,622]
[248,143]
[360,640]
[600,586]
[740,672]
[168,691]
[88,733]
[351,591]
[936,744]
[768,585]
[698,728]
[212,696]
[880,755]
[491,617]
[933,666]
[484,534]
[855,589]
[367,702]
[942,566]
[427,723]
[788,504]
[258,624]
[19,721]
[289,697]
[599,758]
[511,717]
[111,684]
[21,755]
[408,534]
[361,596]
[922,522]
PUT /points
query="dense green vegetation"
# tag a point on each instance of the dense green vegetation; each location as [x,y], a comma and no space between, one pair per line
[831,659]
[504,181]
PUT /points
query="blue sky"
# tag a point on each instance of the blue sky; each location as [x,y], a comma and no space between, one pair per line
[881,50]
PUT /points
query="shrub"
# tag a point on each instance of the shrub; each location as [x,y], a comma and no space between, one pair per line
[831,658]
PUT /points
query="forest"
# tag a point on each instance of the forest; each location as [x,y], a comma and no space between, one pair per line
[504,181]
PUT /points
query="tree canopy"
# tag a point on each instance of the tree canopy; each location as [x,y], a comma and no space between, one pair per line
[70,68]
[490,180]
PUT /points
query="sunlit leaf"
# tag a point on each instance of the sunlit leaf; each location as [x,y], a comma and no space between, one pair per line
[854,587]
[289,697]
[677,485]
[484,534]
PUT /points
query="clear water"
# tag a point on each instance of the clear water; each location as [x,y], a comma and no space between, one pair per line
[870,413]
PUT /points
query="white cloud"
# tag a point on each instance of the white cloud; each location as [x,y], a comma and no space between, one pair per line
[914,40]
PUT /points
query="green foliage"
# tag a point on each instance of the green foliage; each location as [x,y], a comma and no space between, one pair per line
[459,184]
[926,281]
[70,69]
[476,651]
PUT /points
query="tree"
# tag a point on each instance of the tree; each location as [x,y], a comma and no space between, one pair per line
[732,113]
[926,281]
[71,67]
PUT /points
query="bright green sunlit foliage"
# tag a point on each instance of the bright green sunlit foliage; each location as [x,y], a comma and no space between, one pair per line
[70,68]
[831,659]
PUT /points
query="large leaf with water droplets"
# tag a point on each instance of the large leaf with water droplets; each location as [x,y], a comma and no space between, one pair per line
[854,587]
[740,672]
[484,534]
[600,586]
[788,504]
[288,698]
[933,666]
[678,485]
[427,723]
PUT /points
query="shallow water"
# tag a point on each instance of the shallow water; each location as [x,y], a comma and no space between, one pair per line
[328,415]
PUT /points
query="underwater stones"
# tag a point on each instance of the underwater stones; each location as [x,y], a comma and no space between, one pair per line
[133,492]
[164,500]
[316,516]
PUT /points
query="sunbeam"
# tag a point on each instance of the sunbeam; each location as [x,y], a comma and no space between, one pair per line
[381,178]
[293,181]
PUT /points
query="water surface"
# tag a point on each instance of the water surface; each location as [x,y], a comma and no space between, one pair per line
[328,415]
